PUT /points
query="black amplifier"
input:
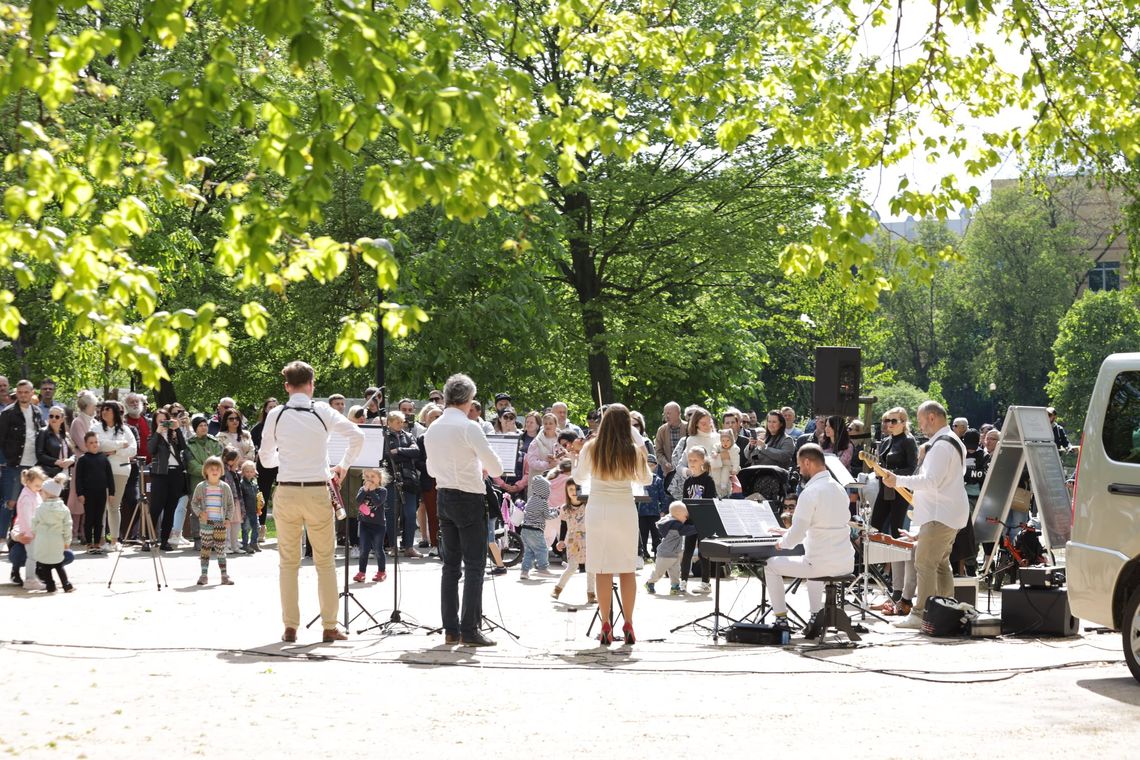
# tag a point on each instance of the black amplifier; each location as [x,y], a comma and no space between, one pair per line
[755,633]
[1041,577]
[1029,611]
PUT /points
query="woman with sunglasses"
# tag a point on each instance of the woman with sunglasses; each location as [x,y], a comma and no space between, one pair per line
[52,451]
[897,452]
[232,434]
[117,440]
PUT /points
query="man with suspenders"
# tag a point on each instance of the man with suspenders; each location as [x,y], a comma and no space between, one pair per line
[295,438]
[941,508]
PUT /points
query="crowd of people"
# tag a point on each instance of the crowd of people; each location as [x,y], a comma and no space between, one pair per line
[208,480]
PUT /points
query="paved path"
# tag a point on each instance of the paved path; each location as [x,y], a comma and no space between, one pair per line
[198,671]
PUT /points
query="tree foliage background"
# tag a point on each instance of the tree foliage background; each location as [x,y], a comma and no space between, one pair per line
[638,199]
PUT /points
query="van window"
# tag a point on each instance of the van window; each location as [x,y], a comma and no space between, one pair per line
[1122,419]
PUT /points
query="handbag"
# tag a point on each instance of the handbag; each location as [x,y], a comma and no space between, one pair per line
[735,481]
[946,616]
[1021,497]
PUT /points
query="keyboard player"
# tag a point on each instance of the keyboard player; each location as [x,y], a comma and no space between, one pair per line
[820,524]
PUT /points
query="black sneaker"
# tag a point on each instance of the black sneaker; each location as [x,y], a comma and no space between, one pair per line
[498,571]
[166,547]
[15,578]
[424,545]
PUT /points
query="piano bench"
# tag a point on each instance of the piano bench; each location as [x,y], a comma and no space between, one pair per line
[840,579]
[832,617]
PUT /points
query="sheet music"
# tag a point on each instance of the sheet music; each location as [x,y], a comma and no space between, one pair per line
[756,517]
[507,448]
[370,455]
[730,517]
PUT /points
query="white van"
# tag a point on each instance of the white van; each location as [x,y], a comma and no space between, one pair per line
[1103,558]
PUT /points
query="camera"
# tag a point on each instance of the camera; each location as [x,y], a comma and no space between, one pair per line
[168,424]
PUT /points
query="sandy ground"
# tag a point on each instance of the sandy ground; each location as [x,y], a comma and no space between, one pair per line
[132,671]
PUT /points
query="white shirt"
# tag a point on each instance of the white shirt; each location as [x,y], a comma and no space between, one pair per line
[820,524]
[28,458]
[458,453]
[299,444]
[939,486]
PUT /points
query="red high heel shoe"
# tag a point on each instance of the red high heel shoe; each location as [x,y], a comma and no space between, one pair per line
[606,637]
[627,630]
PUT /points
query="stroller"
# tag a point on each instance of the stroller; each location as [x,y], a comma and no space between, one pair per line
[769,482]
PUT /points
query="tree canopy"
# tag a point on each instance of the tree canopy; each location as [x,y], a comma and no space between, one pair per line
[211,144]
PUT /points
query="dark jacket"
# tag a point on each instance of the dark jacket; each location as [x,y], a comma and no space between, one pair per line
[93,475]
[405,459]
[248,491]
[159,449]
[49,450]
[12,431]
[371,505]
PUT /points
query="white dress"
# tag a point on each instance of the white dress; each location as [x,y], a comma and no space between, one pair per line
[611,520]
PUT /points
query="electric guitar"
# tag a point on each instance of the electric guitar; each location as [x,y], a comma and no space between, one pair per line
[873,462]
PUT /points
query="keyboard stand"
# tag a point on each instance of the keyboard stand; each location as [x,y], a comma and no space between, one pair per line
[716,614]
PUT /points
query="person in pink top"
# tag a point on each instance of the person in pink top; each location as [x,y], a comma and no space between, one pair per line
[22,533]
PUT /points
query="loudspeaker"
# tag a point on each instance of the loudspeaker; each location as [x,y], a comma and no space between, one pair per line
[837,373]
[1036,612]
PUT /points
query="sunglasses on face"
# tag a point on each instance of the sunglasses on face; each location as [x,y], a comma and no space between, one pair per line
[55,416]
[890,421]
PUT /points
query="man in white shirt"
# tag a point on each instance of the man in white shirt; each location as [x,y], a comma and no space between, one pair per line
[295,438]
[820,524]
[941,508]
[457,456]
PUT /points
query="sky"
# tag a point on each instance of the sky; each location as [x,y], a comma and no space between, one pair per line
[880,184]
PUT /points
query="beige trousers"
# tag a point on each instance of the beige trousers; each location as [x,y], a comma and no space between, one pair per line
[297,508]
[932,562]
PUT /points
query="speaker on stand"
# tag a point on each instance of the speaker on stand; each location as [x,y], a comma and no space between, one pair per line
[837,373]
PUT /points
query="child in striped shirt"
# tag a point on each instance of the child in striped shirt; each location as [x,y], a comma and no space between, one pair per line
[213,504]
[533,530]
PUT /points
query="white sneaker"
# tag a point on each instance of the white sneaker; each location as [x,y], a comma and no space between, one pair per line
[639,564]
[524,575]
[545,571]
[108,547]
[704,588]
[34,584]
[913,622]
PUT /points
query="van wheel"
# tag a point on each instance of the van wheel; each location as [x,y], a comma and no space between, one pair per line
[1130,632]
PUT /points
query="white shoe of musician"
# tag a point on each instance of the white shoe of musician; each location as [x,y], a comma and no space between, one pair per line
[913,621]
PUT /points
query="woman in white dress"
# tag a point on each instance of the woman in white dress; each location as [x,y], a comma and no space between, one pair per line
[611,461]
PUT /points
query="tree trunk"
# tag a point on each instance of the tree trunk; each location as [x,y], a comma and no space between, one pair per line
[588,286]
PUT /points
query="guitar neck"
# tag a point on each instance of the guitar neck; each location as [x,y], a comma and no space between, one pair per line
[906,494]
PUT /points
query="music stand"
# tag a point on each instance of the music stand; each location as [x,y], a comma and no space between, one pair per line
[395,624]
[706,519]
[346,595]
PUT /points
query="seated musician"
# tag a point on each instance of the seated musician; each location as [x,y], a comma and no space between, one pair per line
[820,524]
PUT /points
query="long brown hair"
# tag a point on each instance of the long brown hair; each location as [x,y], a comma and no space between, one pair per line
[612,451]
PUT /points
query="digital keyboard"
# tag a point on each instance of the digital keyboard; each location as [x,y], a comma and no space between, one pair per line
[745,549]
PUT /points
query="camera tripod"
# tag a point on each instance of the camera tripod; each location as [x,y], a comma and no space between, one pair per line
[346,595]
[147,533]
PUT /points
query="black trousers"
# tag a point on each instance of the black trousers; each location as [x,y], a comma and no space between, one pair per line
[647,526]
[266,479]
[687,560]
[165,491]
[890,513]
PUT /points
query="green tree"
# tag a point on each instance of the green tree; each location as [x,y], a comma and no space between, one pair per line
[310,88]
[902,394]
[1017,277]
[1097,325]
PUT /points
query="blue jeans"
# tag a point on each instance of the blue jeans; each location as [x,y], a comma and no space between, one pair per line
[180,514]
[463,533]
[371,540]
[534,549]
[408,529]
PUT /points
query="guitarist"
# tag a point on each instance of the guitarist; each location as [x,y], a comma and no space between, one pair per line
[897,452]
[940,508]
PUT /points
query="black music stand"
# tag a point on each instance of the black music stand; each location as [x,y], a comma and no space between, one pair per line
[705,518]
